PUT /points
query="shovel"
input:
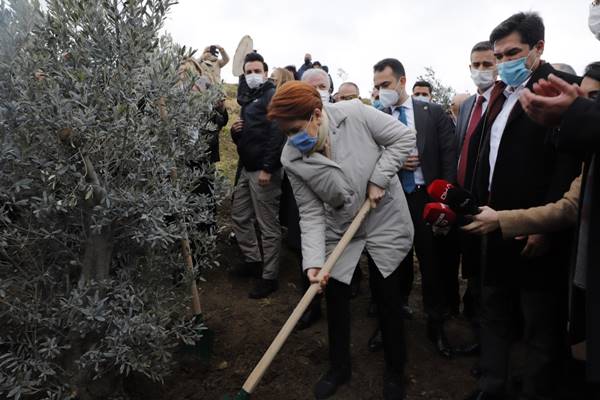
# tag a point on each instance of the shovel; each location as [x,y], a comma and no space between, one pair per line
[291,322]
[203,347]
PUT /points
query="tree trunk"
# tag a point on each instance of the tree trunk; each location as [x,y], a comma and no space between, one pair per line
[97,256]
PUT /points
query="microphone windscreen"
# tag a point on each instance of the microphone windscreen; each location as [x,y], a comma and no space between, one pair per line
[438,190]
[438,214]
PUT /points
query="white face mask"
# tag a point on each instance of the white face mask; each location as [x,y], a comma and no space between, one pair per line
[255,80]
[424,99]
[388,97]
[594,20]
[483,79]
[324,96]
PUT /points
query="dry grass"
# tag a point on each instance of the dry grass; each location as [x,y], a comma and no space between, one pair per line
[228,151]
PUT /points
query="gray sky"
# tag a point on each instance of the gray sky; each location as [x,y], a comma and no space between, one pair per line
[353,35]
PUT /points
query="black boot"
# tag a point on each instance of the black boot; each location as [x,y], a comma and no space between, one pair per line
[479,395]
[263,288]
[311,315]
[248,269]
[329,383]
[437,335]
[393,387]
[469,350]
[376,341]
[407,311]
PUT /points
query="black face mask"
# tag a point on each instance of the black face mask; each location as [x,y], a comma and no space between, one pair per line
[307,61]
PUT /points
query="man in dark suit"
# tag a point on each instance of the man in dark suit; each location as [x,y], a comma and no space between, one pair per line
[433,158]
[579,122]
[518,167]
[470,116]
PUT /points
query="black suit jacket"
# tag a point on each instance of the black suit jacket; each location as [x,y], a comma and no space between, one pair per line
[436,141]
[529,172]
[580,132]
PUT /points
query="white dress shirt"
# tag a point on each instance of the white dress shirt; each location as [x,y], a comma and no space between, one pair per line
[512,96]
[410,120]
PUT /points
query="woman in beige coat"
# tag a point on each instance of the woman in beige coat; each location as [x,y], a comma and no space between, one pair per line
[335,158]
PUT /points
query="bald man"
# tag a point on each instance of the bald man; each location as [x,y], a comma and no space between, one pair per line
[348,91]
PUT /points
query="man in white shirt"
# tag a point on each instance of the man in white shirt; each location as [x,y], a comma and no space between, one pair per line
[519,167]
[468,126]
[433,158]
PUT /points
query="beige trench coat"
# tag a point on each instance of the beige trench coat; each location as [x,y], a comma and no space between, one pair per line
[366,146]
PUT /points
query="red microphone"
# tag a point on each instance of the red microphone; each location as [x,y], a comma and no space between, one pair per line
[439,215]
[459,200]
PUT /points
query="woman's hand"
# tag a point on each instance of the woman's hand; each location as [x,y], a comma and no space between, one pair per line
[312,274]
[484,222]
[375,194]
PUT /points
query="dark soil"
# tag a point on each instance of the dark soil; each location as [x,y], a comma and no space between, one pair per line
[244,328]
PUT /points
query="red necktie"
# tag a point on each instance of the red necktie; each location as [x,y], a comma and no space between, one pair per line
[464,152]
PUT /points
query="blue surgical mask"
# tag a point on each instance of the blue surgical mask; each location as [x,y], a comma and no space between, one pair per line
[514,72]
[303,142]
[377,104]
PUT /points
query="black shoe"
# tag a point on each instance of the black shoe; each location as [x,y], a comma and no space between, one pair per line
[263,288]
[328,384]
[480,395]
[310,316]
[468,350]
[248,269]
[393,387]
[407,311]
[376,341]
[476,371]
[437,335]
[372,311]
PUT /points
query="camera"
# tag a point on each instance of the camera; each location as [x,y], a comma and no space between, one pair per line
[213,50]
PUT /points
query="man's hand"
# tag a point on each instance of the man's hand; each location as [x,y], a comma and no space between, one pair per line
[375,194]
[411,163]
[237,126]
[312,273]
[537,245]
[264,178]
[484,222]
[550,101]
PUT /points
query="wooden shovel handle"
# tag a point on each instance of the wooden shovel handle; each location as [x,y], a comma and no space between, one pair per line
[291,322]
[189,263]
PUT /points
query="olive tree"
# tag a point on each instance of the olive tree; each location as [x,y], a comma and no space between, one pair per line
[99,163]
[441,94]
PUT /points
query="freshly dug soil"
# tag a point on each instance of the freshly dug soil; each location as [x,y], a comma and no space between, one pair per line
[244,329]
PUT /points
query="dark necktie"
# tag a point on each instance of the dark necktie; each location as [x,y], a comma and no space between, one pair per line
[464,152]
[407,178]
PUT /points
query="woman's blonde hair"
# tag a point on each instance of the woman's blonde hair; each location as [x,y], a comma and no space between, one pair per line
[283,76]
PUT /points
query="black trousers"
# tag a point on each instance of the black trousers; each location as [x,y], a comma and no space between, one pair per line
[448,247]
[388,301]
[541,316]
[427,248]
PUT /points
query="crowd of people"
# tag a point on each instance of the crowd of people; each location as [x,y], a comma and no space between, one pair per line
[523,147]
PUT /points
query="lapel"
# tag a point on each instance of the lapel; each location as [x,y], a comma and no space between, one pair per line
[420,111]
[464,115]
